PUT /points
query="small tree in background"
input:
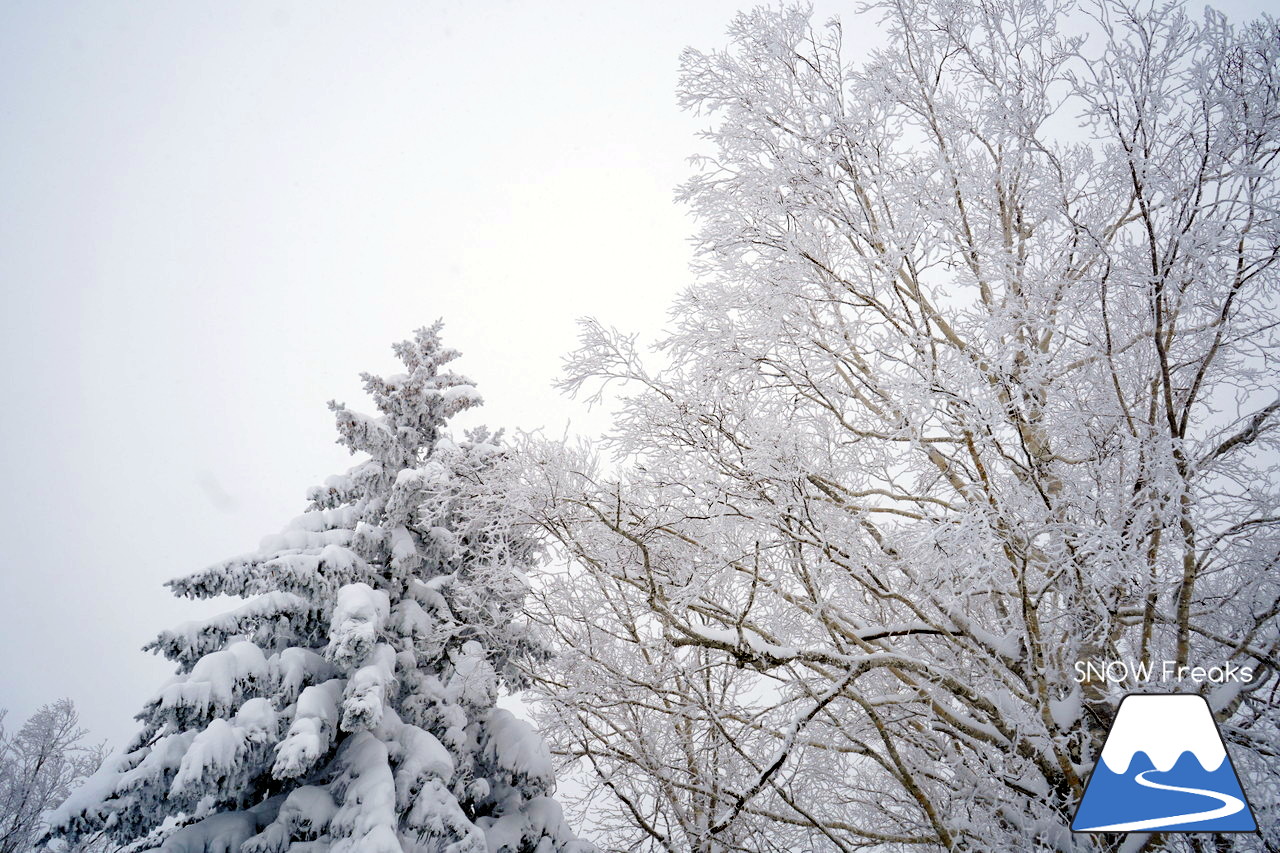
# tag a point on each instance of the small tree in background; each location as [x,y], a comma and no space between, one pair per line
[39,766]
[348,704]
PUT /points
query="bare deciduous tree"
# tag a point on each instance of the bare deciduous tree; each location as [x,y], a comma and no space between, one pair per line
[978,383]
[39,766]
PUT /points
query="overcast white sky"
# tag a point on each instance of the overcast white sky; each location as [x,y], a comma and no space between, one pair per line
[213,216]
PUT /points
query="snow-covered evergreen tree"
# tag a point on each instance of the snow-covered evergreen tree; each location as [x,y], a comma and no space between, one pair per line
[349,703]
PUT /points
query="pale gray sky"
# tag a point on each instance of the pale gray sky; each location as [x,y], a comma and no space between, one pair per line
[213,215]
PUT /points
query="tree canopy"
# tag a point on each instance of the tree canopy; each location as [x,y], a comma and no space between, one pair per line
[976,383]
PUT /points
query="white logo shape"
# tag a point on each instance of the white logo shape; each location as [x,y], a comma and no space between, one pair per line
[1164,767]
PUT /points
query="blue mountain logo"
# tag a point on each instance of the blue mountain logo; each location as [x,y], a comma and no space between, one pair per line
[1164,767]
